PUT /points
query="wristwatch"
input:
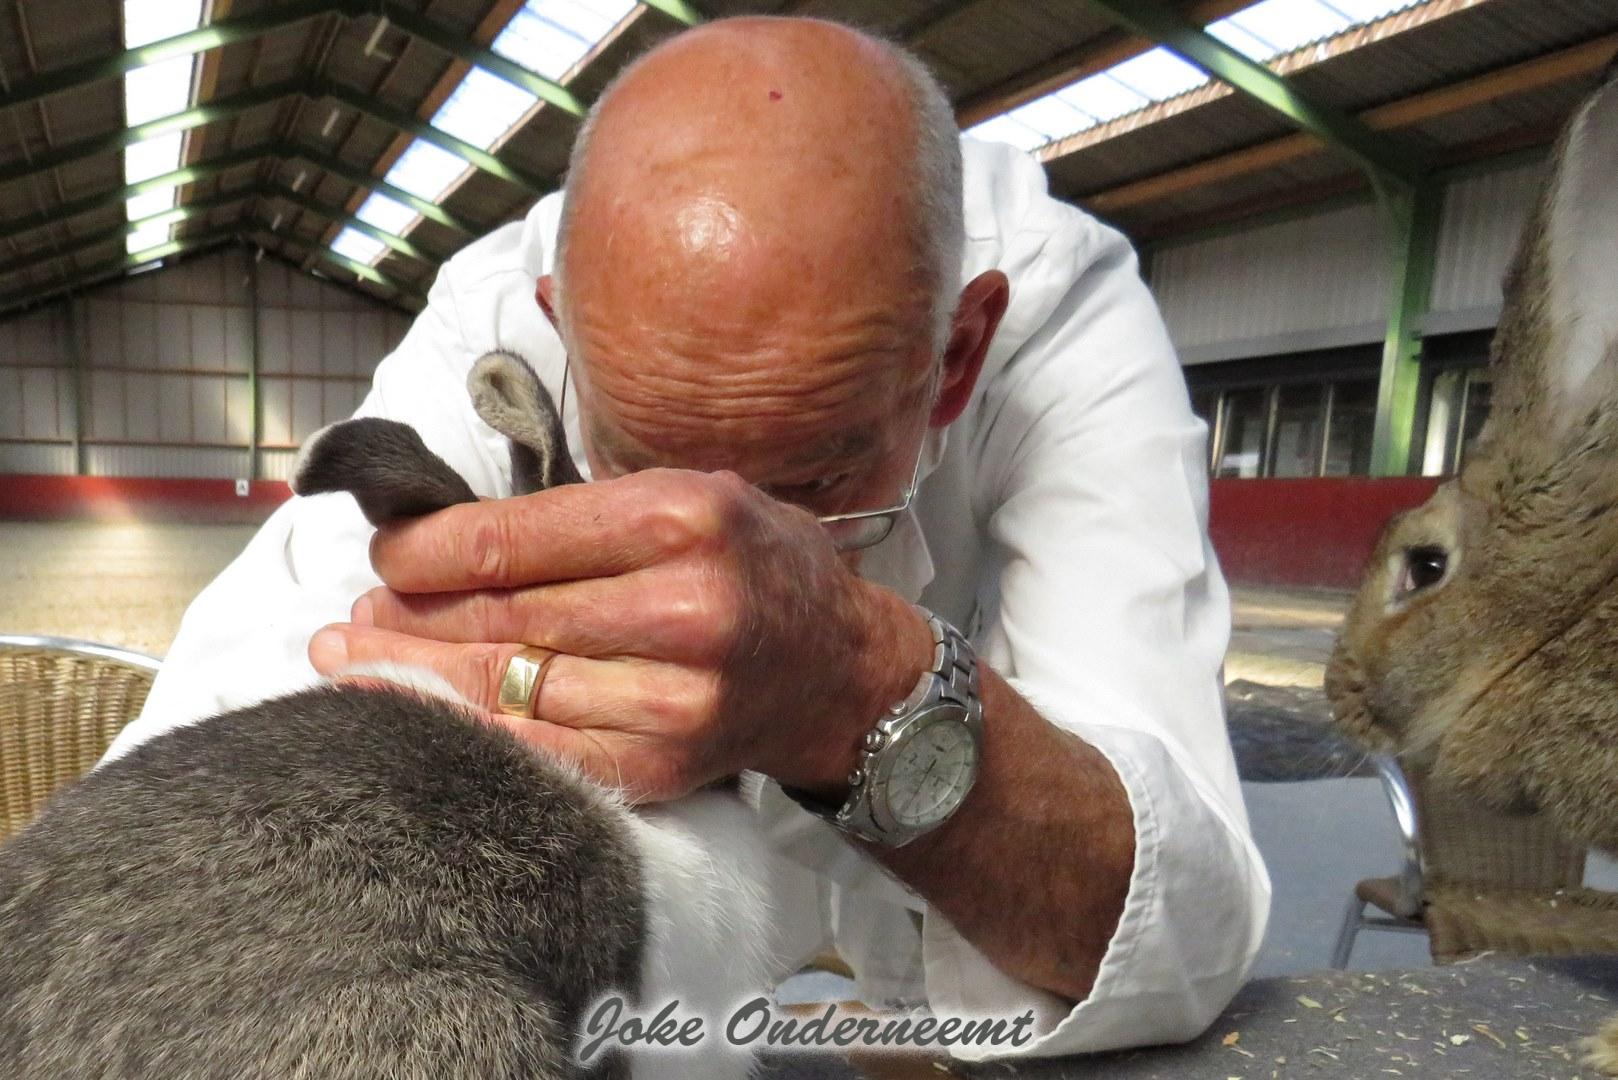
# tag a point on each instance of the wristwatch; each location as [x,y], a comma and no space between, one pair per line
[918,763]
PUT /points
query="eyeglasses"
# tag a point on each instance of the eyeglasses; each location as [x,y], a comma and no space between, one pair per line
[868,528]
[849,532]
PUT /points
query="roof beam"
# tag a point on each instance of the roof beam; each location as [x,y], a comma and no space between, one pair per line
[678,10]
[1387,166]
[79,244]
[475,156]
[548,91]
[1078,62]
[358,269]
[223,109]
[117,267]
[333,213]
[216,35]
[357,176]
[205,170]
[1539,73]
[90,203]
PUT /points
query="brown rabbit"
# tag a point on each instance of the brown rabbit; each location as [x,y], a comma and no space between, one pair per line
[1483,642]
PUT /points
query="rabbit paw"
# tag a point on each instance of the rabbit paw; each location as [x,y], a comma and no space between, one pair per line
[1601,1049]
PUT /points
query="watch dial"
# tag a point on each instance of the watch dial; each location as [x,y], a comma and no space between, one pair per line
[931,774]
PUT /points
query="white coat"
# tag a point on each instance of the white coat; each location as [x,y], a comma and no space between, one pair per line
[1062,522]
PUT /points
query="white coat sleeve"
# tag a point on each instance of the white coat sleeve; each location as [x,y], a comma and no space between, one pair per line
[245,637]
[1112,620]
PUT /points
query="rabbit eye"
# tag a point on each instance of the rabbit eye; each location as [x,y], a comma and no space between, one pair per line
[1424,568]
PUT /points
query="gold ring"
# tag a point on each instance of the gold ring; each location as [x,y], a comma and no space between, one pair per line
[519,687]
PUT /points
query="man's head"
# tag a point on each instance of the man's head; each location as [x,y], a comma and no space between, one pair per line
[761,252]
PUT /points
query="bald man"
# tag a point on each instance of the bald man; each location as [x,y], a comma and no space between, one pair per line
[816,382]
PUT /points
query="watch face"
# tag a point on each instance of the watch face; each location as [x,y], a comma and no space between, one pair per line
[932,773]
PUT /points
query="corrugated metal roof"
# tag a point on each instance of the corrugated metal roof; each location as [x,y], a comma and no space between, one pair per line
[989,53]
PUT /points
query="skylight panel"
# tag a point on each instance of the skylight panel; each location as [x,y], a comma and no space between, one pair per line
[1158,75]
[1007,129]
[154,157]
[483,108]
[1103,97]
[1261,31]
[386,214]
[425,170]
[152,92]
[1243,41]
[1287,24]
[1052,117]
[551,36]
[357,246]
[1364,11]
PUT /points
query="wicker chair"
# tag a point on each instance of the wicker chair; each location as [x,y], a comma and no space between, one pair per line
[61,704]
[1476,880]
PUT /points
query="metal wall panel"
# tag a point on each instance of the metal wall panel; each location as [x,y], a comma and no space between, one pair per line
[1483,218]
[276,464]
[36,458]
[1316,281]
[188,461]
[167,356]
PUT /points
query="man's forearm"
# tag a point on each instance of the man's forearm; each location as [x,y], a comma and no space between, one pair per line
[1034,866]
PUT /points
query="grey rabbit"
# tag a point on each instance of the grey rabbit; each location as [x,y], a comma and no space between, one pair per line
[355,880]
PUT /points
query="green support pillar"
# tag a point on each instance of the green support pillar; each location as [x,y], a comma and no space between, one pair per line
[1412,216]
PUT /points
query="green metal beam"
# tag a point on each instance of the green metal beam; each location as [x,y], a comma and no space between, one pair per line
[1386,163]
[79,244]
[360,178]
[226,31]
[1413,217]
[189,174]
[678,10]
[492,164]
[337,214]
[358,269]
[548,91]
[223,109]
[21,298]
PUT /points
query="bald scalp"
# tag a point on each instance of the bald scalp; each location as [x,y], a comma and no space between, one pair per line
[762,147]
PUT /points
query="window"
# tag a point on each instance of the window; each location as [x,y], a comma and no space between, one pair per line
[1349,426]
[1244,422]
[1300,421]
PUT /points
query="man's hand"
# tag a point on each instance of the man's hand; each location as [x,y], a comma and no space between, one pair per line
[700,627]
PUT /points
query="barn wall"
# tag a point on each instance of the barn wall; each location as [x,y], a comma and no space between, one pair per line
[164,390]
[1320,280]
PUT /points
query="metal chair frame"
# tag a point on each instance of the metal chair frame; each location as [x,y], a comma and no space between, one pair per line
[1412,869]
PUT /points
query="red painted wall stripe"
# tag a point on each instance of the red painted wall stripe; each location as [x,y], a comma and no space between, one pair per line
[123,498]
[1316,533]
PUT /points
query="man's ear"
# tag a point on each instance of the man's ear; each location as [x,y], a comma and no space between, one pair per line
[545,296]
[977,317]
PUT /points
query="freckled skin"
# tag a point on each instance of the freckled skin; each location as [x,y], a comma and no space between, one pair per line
[727,341]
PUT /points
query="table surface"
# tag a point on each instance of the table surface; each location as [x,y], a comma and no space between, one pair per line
[1494,1017]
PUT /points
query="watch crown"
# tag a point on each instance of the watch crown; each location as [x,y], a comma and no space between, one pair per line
[875,740]
[856,777]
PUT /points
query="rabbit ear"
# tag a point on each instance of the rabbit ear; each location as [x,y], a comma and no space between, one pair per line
[510,398]
[383,464]
[1561,319]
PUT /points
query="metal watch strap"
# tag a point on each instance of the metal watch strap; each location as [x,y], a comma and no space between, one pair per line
[953,678]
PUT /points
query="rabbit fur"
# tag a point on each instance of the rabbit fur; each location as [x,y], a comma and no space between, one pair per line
[368,878]
[1482,644]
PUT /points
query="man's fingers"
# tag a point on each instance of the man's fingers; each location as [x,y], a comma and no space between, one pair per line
[563,534]
[632,699]
[677,616]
